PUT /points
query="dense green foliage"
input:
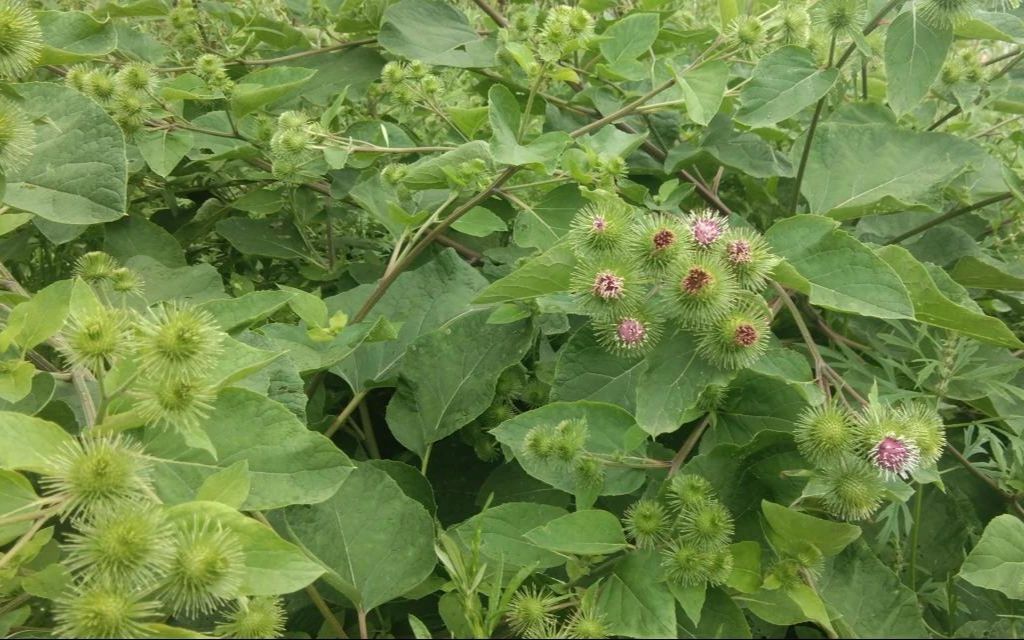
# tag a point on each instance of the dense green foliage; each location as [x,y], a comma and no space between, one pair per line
[395,318]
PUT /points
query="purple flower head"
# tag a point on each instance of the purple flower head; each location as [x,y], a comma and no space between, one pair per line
[739,252]
[895,456]
[663,239]
[746,335]
[631,332]
[706,228]
[598,224]
[696,280]
[609,286]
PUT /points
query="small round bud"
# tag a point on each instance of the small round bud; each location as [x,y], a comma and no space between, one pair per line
[95,339]
[713,397]
[174,403]
[706,527]
[539,443]
[749,257]
[129,545]
[747,33]
[630,333]
[100,86]
[825,434]
[177,342]
[417,69]
[135,77]
[393,73]
[124,280]
[853,489]
[290,143]
[101,610]
[646,523]
[601,227]
[569,439]
[205,569]
[687,492]
[606,285]
[209,66]
[586,623]
[17,137]
[254,618]
[76,77]
[946,13]
[531,609]
[702,289]
[20,39]
[718,565]
[588,472]
[95,266]
[656,242]
[684,564]
[794,25]
[291,120]
[738,338]
[91,475]
[783,574]
[924,426]
[840,17]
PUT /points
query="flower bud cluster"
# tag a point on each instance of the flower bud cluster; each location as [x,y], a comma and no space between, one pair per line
[855,453]
[564,446]
[689,526]
[635,271]
[129,95]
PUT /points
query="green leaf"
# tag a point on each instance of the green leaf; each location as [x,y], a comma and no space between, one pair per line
[611,431]
[987,273]
[746,566]
[634,599]
[787,526]
[741,150]
[376,542]
[915,51]
[420,301]
[15,379]
[479,222]
[505,118]
[135,235]
[502,533]
[586,370]
[238,313]
[78,171]
[836,270]
[30,444]
[194,283]
[288,464]
[626,40]
[755,403]
[432,172]
[997,561]
[546,274]
[703,89]
[720,618]
[16,497]
[273,566]
[690,598]
[591,532]
[163,149]
[865,599]
[436,33]
[668,389]
[931,306]
[39,318]
[274,239]
[265,86]
[73,36]
[855,170]
[229,486]
[783,84]
[544,224]
[442,389]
